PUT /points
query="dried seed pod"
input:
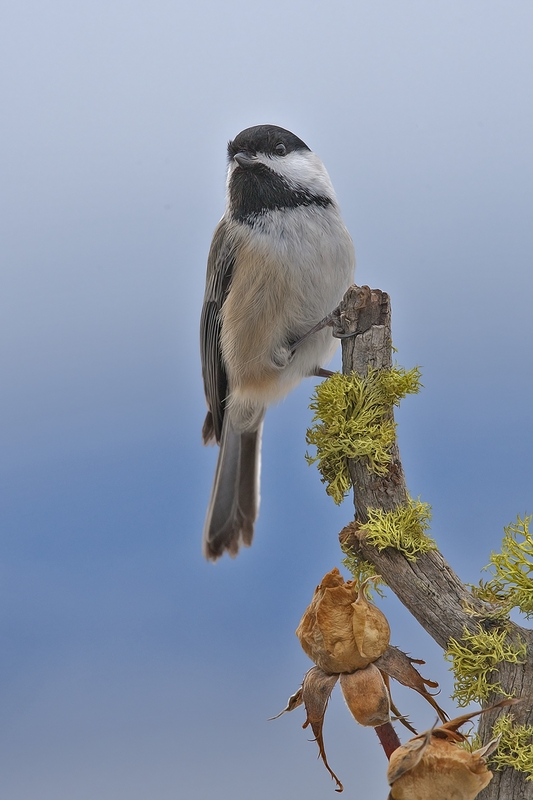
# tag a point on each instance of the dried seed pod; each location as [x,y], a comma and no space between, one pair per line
[443,770]
[366,696]
[434,765]
[340,630]
[370,627]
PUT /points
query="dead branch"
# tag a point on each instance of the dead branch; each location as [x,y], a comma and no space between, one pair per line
[428,587]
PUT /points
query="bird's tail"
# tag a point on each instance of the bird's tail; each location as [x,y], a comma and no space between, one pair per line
[234,502]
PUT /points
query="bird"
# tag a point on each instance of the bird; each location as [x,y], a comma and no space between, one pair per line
[280,260]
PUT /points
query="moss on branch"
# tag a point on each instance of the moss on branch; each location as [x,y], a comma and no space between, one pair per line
[512,568]
[353,420]
[475,657]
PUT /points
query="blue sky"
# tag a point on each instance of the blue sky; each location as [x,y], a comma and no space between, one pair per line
[129,667]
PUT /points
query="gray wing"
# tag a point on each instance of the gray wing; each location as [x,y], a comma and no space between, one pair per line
[220,263]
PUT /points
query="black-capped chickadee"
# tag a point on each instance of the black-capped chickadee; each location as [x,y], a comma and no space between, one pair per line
[280,261]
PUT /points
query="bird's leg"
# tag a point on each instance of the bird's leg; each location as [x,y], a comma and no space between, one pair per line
[323,373]
[324,323]
[333,320]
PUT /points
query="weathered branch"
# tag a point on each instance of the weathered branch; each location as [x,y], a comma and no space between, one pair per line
[428,587]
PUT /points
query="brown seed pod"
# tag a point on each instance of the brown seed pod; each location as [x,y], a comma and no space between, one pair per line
[340,630]
[366,696]
[434,765]
[370,627]
[443,770]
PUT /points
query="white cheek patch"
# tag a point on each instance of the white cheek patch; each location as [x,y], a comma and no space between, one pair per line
[301,169]
[231,168]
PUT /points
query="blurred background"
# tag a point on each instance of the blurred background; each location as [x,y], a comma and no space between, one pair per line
[131,669]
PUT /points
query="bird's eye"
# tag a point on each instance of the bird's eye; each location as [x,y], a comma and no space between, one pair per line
[281,150]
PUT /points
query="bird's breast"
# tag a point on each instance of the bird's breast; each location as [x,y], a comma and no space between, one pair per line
[291,269]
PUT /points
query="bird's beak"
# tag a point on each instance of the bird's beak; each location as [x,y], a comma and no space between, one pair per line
[245,159]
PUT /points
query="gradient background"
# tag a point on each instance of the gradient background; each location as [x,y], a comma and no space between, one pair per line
[130,669]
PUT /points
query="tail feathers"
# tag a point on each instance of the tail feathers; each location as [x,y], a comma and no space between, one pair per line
[234,502]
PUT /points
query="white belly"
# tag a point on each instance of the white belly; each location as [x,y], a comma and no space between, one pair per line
[289,274]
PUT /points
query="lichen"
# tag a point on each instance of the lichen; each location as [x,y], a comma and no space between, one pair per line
[475,657]
[516,746]
[471,743]
[361,570]
[512,583]
[402,528]
[352,420]
[491,611]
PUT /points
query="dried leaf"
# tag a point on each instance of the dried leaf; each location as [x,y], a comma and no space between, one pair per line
[398,715]
[449,729]
[316,690]
[407,757]
[293,702]
[400,667]
[489,748]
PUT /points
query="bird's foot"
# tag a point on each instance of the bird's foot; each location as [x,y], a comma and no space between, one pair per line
[282,357]
[334,320]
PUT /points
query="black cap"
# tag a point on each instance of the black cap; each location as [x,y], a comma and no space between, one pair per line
[264,139]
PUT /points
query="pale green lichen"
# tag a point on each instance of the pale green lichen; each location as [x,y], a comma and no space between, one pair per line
[471,743]
[361,570]
[475,657]
[353,420]
[490,612]
[516,746]
[512,583]
[402,528]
